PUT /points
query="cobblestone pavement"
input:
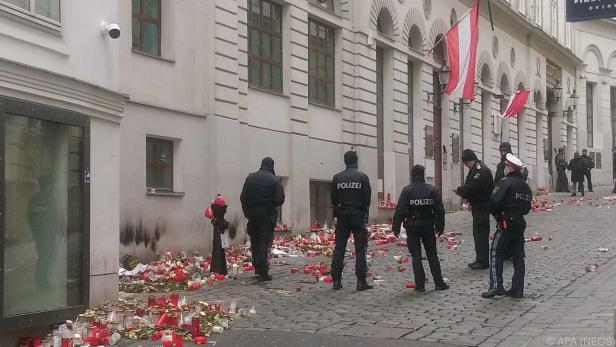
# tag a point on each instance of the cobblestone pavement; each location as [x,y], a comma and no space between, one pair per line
[562,301]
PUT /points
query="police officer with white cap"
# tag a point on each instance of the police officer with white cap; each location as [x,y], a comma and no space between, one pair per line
[510,202]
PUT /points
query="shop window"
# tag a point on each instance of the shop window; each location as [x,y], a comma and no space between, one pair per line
[49,9]
[146,26]
[265,45]
[159,164]
[44,230]
[321,59]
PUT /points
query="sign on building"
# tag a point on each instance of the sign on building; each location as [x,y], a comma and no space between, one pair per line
[580,10]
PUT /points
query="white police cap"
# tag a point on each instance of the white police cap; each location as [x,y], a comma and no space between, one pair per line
[512,160]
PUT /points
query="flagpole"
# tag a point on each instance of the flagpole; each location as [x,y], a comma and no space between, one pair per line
[490,12]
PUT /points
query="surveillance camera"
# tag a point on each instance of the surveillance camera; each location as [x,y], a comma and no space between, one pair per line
[110,29]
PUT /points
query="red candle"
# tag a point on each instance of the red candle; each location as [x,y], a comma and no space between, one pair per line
[67,342]
[201,340]
[196,328]
[175,299]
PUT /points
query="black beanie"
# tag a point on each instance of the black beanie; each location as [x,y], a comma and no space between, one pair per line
[350,158]
[417,172]
[505,146]
[267,163]
[468,155]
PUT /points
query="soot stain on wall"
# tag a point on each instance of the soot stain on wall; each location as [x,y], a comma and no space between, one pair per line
[138,234]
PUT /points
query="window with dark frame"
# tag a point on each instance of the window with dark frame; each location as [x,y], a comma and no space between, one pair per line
[146,26]
[429,135]
[455,147]
[49,9]
[159,164]
[265,45]
[321,60]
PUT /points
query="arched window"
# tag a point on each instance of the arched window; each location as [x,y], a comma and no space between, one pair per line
[384,23]
[439,50]
[415,38]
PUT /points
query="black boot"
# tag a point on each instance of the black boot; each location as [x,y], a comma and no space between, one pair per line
[494,292]
[264,277]
[477,266]
[338,284]
[362,284]
[513,293]
[442,286]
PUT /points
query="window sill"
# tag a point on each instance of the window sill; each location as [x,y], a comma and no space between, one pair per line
[269,91]
[167,60]
[333,108]
[31,19]
[164,193]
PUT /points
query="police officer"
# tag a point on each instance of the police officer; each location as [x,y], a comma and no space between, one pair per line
[590,164]
[420,208]
[504,149]
[509,203]
[261,197]
[351,200]
[477,190]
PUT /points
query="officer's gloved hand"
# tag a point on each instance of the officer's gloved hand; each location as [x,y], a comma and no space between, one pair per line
[439,233]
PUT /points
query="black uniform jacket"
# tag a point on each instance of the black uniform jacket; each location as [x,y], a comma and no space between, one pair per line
[511,198]
[478,186]
[351,193]
[262,194]
[420,205]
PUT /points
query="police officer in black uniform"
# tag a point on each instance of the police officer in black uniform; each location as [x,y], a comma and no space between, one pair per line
[261,197]
[510,202]
[504,149]
[420,208]
[477,190]
[351,200]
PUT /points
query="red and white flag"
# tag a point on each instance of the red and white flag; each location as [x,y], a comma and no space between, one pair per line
[462,50]
[516,103]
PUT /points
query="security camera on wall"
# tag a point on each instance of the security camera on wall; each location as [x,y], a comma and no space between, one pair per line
[110,29]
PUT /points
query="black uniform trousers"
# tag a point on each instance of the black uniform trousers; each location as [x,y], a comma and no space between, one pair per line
[481,234]
[346,225]
[415,237]
[261,232]
[588,175]
[511,239]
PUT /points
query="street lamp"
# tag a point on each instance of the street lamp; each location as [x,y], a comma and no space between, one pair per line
[443,77]
[444,74]
[558,92]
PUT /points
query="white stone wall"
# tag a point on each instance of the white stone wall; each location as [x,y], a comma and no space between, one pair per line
[70,65]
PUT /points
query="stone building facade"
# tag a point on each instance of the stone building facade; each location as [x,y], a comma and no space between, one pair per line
[193,94]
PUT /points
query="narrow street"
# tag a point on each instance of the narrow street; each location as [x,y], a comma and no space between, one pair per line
[562,300]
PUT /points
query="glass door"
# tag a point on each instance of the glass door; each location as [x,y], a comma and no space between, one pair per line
[44,230]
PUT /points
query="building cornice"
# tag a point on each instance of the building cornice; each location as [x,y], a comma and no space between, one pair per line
[50,88]
[506,16]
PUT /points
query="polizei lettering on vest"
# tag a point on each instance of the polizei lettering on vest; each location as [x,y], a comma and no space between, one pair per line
[422,202]
[349,185]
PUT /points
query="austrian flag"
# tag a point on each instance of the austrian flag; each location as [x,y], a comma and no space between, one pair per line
[516,103]
[462,50]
